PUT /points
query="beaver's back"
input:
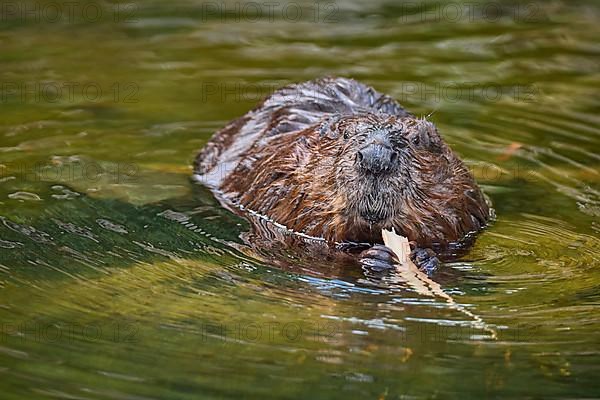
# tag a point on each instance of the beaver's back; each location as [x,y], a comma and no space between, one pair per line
[287,111]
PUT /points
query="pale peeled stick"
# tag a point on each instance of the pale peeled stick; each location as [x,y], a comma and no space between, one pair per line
[400,246]
[420,282]
[408,270]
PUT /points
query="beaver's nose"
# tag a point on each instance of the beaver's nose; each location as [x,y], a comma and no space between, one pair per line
[377,158]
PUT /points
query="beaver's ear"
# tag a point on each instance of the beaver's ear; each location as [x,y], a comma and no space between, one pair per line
[427,137]
[329,127]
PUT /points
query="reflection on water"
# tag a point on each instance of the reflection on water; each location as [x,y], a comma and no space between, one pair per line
[120,279]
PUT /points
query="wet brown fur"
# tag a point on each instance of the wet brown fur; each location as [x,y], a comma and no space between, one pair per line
[293,160]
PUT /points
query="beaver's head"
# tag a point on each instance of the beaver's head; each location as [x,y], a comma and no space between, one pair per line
[398,172]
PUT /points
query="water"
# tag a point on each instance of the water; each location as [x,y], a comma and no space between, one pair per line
[120,279]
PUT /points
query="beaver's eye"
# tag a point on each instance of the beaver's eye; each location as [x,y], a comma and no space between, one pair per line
[399,142]
[346,135]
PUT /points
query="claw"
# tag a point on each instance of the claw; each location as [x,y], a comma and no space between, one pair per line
[378,258]
[376,265]
[426,260]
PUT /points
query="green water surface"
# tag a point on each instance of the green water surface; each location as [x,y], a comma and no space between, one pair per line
[121,279]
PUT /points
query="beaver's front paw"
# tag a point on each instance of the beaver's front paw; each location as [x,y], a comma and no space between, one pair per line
[425,259]
[378,258]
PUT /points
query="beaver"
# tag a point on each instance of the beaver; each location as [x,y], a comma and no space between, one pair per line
[334,159]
